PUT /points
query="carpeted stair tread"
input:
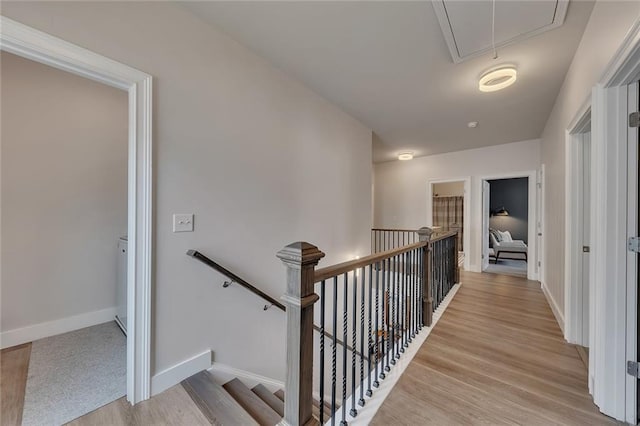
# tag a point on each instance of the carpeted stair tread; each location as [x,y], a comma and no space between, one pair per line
[256,407]
[218,406]
[270,399]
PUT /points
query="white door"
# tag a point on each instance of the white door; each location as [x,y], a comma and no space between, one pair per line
[539,228]
[585,221]
[485,224]
[633,274]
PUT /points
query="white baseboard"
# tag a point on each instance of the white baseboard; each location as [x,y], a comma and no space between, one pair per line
[183,370]
[223,373]
[30,333]
[554,307]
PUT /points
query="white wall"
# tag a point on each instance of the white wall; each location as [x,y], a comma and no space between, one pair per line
[258,158]
[401,186]
[64,193]
[607,27]
[448,189]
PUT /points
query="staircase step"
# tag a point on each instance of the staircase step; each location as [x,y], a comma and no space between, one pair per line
[215,403]
[256,407]
[280,394]
[316,404]
[272,401]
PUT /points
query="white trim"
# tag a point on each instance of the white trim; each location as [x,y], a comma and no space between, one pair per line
[632,258]
[46,49]
[177,373]
[466,228]
[555,308]
[532,219]
[607,357]
[223,373]
[373,403]
[33,332]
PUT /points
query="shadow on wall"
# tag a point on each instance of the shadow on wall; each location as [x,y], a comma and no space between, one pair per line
[513,195]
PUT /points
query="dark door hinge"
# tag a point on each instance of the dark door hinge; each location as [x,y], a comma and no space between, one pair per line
[634,119]
[633,244]
[632,369]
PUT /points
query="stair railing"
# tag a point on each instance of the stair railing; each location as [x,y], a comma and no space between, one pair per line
[383,300]
[270,300]
[383,239]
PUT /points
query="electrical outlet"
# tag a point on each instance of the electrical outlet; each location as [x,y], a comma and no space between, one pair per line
[183,222]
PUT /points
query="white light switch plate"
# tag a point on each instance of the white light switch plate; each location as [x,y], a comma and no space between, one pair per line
[183,222]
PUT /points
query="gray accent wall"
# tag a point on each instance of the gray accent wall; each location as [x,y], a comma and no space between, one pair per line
[513,194]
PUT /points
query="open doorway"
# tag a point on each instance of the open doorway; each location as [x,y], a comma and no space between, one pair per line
[44,48]
[578,242]
[448,210]
[508,226]
[509,243]
[64,227]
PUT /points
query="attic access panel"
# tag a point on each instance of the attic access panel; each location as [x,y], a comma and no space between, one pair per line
[466,25]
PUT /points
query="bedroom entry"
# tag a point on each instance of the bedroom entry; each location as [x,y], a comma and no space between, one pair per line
[508,241]
[448,210]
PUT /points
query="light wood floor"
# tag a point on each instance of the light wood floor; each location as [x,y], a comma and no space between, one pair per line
[14,366]
[172,407]
[496,356]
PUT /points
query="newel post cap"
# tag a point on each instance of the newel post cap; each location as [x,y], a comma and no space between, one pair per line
[425,233]
[299,254]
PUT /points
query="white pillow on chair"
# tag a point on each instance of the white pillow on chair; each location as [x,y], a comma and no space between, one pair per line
[506,236]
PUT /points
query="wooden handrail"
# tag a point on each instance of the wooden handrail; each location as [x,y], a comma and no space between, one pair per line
[204,259]
[394,230]
[442,236]
[350,265]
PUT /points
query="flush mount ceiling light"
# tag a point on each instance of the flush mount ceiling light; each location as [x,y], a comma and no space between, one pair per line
[497,79]
[405,156]
[472,124]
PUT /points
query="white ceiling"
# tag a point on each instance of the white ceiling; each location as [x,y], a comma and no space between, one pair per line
[387,64]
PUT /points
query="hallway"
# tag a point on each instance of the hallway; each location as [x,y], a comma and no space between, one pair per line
[497,356]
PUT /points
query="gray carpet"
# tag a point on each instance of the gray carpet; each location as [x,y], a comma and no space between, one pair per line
[75,373]
[509,267]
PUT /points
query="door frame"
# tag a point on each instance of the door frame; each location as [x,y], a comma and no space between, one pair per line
[573,290]
[532,219]
[44,48]
[614,392]
[466,228]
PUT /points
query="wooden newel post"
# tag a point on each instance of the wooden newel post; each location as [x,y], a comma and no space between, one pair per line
[300,259]
[427,299]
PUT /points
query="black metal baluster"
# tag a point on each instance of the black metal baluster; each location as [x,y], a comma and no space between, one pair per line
[334,344]
[369,340]
[398,305]
[354,343]
[345,318]
[382,316]
[410,333]
[392,303]
[412,297]
[322,303]
[387,300]
[416,320]
[376,348]
[421,287]
[362,293]
[403,301]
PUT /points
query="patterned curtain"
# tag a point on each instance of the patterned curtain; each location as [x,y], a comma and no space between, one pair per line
[448,213]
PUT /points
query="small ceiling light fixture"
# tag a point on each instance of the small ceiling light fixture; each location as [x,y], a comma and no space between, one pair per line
[405,156]
[472,124]
[497,79]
